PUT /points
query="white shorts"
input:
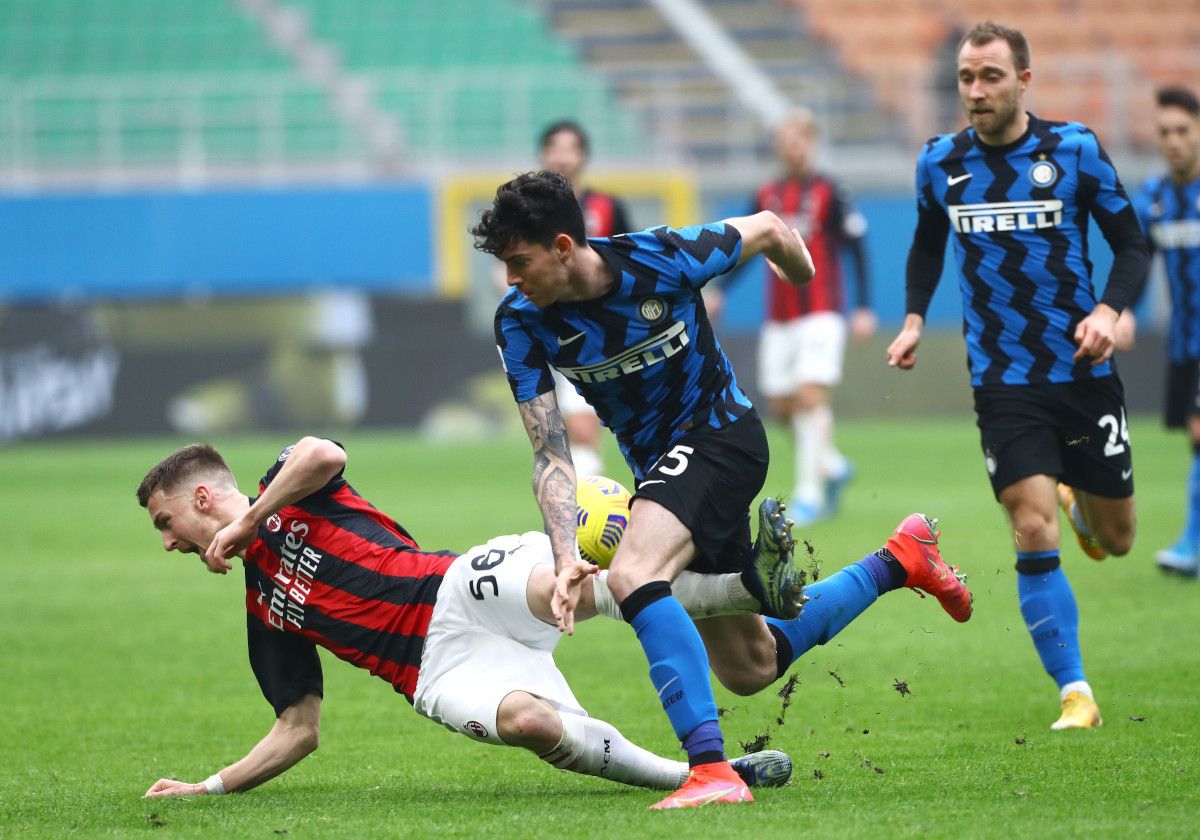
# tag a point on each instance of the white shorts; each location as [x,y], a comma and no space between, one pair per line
[484,643]
[802,351]
[570,401]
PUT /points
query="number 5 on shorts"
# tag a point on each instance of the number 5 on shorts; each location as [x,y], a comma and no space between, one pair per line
[679,455]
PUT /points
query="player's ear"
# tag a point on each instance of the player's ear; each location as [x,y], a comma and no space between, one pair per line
[1024,76]
[564,246]
[202,497]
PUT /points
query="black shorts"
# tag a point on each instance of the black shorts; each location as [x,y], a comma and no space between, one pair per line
[1183,393]
[708,479]
[1074,431]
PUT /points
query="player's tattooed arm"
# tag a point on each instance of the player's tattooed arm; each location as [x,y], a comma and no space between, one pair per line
[554,488]
[553,472]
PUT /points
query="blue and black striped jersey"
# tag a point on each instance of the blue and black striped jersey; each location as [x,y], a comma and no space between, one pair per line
[643,354]
[1170,214]
[1019,214]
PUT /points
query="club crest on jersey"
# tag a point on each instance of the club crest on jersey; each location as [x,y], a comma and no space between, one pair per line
[274,523]
[652,309]
[476,728]
[1043,174]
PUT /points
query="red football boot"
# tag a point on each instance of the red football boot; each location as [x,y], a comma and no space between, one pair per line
[708,784]
[915,544]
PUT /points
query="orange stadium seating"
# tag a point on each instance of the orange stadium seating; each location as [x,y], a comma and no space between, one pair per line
[1095,61]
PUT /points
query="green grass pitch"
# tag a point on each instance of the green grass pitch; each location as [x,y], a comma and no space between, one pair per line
[122,664]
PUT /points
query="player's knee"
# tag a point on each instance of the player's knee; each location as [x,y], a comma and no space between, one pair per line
[1117,537]
[750,678]
[524,721]
[625,576]
[1034,528]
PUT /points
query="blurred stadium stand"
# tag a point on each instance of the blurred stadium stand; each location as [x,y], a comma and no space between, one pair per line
[1094,61]
[222,163]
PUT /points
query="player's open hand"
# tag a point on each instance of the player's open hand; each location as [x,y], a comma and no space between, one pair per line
[230,541]
[171,787]
[902,352]
[1096,335]
[567,586]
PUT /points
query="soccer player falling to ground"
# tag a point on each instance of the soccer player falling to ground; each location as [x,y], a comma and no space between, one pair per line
[803,341]
[466,639]
[623,319]
[1016,191]
[1169,208]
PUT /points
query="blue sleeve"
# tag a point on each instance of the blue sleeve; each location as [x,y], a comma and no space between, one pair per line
[523,359]
[1100,191]
[699,253]
[923,269]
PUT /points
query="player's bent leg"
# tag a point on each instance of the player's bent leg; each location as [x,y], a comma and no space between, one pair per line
[582,745]
[1111,521]
[741,651]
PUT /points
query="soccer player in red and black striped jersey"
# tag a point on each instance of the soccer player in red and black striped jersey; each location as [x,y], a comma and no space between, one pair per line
[804,337]
[466,639]
[564,148]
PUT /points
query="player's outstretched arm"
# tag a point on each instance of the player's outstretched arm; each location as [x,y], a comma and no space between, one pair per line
[767,234]
[294,735]
[309,467]
[554,489]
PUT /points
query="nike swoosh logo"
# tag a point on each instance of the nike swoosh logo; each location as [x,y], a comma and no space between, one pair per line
[1126,473]
[951,180]
[667,683]
[651,481]
[1038,623]
[706,798]
[563,342]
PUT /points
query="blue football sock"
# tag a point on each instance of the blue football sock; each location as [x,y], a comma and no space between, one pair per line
[832,604]
[678,669]
[1051,615]
[1191,529]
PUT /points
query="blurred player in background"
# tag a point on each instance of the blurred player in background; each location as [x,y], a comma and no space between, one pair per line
[624,319]
[1016,190]
[804,340]
[564,148]
[467,640]
[1169,208]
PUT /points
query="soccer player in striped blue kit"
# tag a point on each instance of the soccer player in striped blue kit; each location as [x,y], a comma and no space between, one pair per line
[624,320]
[1017,191]
[1169,208]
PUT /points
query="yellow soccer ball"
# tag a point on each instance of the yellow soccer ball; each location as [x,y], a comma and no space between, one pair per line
[601,517]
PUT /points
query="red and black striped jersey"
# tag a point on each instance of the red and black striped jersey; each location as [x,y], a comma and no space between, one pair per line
[603,214]
[828,222]
[332,570]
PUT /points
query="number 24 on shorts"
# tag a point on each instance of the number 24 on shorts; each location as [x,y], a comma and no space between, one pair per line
[1116,429]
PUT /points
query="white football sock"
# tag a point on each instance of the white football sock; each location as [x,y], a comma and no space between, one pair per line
[808,444]
[833,462]
[586,460]
[702,596]
[595,748]
[1079,685]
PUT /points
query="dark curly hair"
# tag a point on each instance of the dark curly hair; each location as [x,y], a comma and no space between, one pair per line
[534,207]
